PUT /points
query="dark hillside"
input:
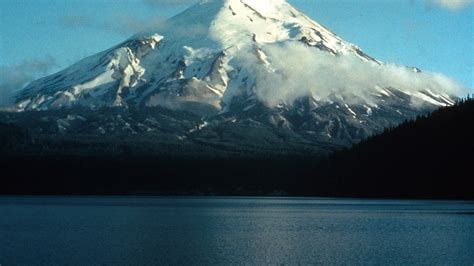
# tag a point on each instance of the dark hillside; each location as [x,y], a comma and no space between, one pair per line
[430,157]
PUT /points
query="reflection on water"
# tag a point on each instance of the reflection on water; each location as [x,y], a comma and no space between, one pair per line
[149,230]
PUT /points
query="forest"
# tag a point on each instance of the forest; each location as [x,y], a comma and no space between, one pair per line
[428,157]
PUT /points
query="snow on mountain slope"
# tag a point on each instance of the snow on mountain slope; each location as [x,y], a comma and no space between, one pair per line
[234,60]
[93,80]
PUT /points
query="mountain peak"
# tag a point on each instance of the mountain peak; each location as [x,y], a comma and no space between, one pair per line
[265,7]
[229,24]
[219,55]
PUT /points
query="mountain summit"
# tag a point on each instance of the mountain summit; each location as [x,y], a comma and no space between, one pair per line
[257,63]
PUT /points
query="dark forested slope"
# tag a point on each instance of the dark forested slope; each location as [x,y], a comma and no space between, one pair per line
[430,157]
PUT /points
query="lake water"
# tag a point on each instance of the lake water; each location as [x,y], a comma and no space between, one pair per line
[203,231]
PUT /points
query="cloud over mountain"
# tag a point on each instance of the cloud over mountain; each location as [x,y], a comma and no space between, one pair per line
[309,71]
[454,4]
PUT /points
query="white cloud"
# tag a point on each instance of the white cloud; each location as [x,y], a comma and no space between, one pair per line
[454,4]
[300,71]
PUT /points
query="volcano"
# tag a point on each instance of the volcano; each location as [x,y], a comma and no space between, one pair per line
[233,74]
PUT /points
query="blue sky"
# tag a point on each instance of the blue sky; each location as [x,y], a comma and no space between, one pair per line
[39,37]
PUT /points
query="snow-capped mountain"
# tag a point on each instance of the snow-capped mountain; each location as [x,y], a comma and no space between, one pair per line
[258,63]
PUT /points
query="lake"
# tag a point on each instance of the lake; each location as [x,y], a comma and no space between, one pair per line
[226,230]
